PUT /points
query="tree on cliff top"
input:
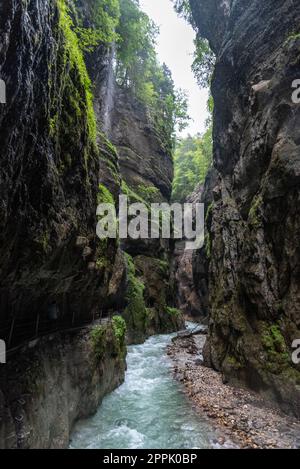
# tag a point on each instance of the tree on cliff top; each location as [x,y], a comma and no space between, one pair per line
[138,70]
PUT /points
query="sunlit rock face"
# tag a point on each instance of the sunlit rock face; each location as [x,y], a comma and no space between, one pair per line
[254,269]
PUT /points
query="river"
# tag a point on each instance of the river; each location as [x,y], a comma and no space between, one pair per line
[148,411]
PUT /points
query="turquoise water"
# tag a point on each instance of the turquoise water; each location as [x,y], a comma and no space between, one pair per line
[148,411]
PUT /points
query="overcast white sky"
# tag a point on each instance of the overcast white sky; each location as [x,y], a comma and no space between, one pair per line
[175,47]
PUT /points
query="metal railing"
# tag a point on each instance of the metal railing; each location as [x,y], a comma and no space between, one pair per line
[17,333]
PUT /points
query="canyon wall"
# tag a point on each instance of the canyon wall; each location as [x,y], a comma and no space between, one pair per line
[146,166]
[253,266]
[57,164]
[51,162]
[54,382]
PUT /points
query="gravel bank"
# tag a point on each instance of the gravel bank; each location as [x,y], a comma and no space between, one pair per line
[243,416]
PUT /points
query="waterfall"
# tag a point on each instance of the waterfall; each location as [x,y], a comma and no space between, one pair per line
[109,92]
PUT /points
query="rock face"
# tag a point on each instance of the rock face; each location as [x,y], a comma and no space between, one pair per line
[254,273]
[65,380]
[56,166]
[145,160]
[188,299]
[201,258]
[192,267]
[49,174]
[146,167]
[51,164]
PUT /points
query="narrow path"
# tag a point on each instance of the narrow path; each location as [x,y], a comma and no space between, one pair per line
[150,410]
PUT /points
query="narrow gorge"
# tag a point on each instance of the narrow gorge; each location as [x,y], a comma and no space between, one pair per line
[97,329]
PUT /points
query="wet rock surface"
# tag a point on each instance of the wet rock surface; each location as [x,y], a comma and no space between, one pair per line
[146,168]
[253,270]
[56,166]
[54,382]
[50,169]
[241,416]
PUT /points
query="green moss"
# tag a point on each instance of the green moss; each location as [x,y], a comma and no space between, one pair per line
[109,339]
[119,328]
[292,37]
[274,344]
[209,211]
[133,197]
[136,313]
[43,242]
[233,362]
[103,262]
[254,217]
[149,194]
[74,57]
[164,267]
[104,195]
[98,338]
[207,245]
[173,312]
[53,124]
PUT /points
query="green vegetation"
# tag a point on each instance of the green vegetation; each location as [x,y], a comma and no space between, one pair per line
[204,62]
[204,58]
[138,71]
[275,347]
[119,330]
[98,337]
[105,196]
[105,15]
[253,217]
[74,58]
[173,312]
[293,37]
[119,327]
[133,197]
[207,244]
[183,9]
[136,313]
[109,338]
[231,361]
[192,160]
[149,194]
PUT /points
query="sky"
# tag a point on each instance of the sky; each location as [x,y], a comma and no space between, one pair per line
[175,47]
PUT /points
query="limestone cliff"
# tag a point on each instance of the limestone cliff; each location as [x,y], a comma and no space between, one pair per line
[254,276]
